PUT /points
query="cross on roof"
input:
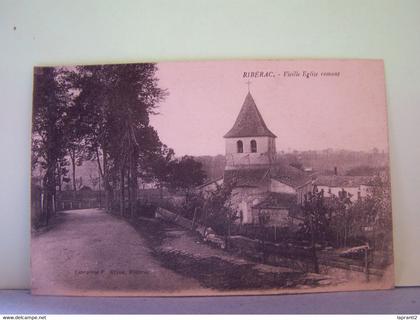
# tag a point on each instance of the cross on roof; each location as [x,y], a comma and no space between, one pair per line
[248,83]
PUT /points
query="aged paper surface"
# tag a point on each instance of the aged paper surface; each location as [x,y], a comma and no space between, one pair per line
[210,178]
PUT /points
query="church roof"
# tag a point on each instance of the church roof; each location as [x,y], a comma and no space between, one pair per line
[289,175]
[254,176]
[277,201]
[249,122]
[250,177]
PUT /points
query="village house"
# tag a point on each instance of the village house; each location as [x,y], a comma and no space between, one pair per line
[355,187]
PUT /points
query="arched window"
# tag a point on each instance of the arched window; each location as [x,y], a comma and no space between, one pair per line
[240,146]
[253,146]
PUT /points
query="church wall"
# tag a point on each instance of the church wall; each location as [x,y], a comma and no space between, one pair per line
[243,199]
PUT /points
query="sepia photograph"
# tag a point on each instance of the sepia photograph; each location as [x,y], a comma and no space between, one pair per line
[204,178]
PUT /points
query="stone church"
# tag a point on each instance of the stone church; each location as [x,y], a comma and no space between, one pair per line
[263,183]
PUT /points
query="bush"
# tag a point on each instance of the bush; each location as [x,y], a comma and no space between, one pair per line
[146,210]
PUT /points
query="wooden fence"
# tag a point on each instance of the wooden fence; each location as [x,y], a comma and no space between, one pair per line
[77,204]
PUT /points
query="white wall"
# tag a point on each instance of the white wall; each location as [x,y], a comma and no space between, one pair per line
[329,191]
[264,155]
[243,199]
[277,186]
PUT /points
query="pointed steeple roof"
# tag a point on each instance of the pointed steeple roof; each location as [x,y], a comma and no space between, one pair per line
[249,122]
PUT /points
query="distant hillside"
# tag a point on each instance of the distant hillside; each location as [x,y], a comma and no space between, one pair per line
[326,160]
[347,162]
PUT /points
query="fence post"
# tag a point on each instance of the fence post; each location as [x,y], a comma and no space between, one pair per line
[194,218]
[367,263]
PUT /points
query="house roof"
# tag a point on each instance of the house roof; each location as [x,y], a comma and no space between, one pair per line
[343,181]
[249,122]
[249,177]
[289,175]
[252,176]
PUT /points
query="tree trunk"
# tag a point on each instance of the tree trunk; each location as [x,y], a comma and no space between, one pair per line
[134,185]
[313,244]
[104,172]
[49,187]
[59,182]
[99,191]
[194,220]
[45,210]
[130,190]
[122,198]
[345,233]
[132,178]
[73,166]
[227,233]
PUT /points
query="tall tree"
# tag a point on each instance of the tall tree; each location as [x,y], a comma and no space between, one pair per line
[186,173]
[316,223]
[375,213]
[342,217]
[218,211]
[50,102]
[155,160]
[116,101]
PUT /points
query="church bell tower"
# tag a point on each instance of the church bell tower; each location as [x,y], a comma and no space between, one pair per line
[249,143]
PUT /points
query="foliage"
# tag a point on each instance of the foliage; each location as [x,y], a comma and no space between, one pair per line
[218,212]
[375,212]
[316,217]
[113,108]
[316,224]
[343,221]
[193,206]
[367,219]
[185,174]
[212,209]
[97,113]
[50,101]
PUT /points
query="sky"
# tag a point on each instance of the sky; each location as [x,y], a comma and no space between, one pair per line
[312,112]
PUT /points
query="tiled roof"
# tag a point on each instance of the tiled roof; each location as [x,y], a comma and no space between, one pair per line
[249,122]
[277,201]
[250,177]
[289,175]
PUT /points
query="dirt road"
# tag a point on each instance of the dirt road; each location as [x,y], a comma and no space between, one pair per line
[89,251]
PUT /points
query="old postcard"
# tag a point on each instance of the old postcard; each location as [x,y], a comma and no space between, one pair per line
[210,178]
